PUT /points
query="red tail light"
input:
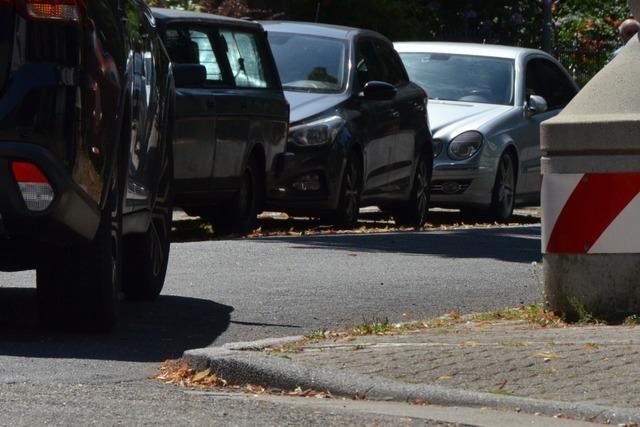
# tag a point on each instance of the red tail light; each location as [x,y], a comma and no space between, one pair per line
[34,186]
[57,10]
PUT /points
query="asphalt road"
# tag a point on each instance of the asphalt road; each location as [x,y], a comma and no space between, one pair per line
[232,290]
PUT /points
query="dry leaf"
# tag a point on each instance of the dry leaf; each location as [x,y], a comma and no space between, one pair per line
[591,346]
[360,396]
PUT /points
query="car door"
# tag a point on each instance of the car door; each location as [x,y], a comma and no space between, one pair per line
[379,120]
[195,125]
[543,78]
[254,111]
[408,109]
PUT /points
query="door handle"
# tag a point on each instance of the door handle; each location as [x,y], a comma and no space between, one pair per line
[395,114]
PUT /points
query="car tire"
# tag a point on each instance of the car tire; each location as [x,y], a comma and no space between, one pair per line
[413,213]
[146,255]
[346,215]
[503,193]
[241,215]
[78,286]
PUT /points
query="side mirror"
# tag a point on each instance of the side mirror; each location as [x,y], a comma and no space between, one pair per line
[189,75]
[379,91]
[536,105]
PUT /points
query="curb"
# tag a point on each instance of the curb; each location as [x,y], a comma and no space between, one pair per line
[244,363]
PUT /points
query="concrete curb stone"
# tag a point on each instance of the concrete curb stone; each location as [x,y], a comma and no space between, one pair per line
[245,363]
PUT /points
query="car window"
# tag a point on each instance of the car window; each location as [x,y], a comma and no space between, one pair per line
[308,63]
[544,78]
[463,78]
[392,68]
[193,46]
[244,57]
[368,66]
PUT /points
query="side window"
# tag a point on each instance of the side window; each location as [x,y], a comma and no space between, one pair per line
[545,79]
[247,65]
[193,46]
[391,65]
[368,67]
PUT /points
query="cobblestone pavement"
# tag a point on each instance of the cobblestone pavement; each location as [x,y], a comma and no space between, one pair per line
[597,365]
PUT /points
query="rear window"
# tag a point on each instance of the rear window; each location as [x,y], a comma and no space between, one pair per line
[194,46]
[247,63]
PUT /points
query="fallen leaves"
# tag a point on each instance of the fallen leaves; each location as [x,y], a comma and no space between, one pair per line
[591,346]
[179,373]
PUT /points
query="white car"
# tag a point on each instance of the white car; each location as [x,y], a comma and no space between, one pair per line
[486,104]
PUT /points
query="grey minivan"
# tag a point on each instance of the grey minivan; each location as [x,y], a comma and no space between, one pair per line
[231,116]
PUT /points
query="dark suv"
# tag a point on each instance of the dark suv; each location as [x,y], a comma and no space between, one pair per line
[86,105]
[359,133]
[231,116]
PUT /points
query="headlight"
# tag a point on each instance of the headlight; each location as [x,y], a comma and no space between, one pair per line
[319,132]
[465,145]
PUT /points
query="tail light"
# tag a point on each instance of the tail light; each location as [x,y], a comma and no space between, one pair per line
[36,190]
[56,10]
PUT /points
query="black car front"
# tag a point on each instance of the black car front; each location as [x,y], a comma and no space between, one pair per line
[314,74]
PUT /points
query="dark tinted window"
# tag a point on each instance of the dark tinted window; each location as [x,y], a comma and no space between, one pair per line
[368,67]
[545,79]
[392,68]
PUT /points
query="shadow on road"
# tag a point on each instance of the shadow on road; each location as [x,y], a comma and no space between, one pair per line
[147,332]
[517,244]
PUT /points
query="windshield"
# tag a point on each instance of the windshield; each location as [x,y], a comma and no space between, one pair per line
[310,63]
[462,77]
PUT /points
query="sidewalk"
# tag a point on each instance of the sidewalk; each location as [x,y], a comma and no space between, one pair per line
[585,372]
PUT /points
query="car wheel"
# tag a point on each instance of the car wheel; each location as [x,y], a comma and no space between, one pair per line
[241,215]
[414,212]
[503,194]
[346,215]
[146,255]
[78,286]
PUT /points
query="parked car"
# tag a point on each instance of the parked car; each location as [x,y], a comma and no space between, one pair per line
[358,128]
[231,116]
[86,106]
[486,105]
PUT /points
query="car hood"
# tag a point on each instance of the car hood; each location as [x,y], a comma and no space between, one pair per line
[447,116]
[304,104]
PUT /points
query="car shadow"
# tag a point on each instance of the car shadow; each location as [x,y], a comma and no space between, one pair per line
[512,244]
[147,331]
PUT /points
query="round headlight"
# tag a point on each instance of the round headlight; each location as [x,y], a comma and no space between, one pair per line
[465,145]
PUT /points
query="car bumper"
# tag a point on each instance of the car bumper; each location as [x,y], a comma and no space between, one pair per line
[72,215]
[454,185]
[307,180]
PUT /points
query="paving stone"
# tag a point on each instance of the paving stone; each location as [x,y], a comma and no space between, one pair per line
[595,364]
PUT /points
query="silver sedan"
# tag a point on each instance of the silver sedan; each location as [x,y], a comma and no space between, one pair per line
[486,104]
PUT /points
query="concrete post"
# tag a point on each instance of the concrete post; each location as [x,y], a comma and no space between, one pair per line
[590,194]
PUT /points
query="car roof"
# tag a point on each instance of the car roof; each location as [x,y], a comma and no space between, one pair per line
[475,49]
[173,15]
[313,29]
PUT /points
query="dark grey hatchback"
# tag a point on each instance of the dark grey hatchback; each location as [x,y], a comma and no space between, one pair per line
[359,133]
[231,116]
